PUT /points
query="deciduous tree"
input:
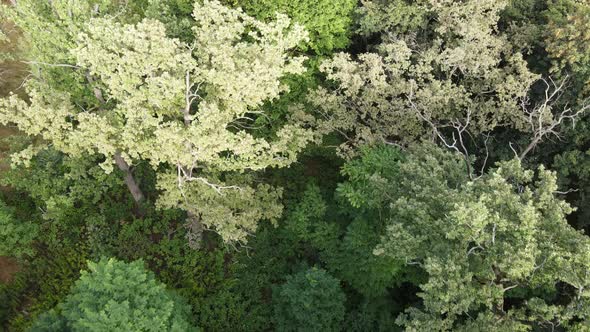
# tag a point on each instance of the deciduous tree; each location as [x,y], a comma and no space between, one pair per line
[183,108]
[455,67]
[16,236]
[482,243]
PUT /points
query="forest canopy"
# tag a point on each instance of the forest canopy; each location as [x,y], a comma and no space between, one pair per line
[304,165]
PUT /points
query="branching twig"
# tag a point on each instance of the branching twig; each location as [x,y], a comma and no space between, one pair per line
[457,142]
[538,116]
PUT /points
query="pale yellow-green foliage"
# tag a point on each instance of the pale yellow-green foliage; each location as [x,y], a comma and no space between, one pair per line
[244,73]
[396,16]
[465,66]
[138,65]
[51,25]
[234,214]
[181,106]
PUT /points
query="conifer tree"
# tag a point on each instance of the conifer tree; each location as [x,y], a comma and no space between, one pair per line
[117,296]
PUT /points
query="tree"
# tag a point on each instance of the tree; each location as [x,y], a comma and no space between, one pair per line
[176,16]
[329,23]
[183,108]
[497,250]
[567,41]
[114,295]
[310,300]
[454,68]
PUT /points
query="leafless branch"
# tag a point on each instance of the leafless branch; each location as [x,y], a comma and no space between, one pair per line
[95,90]
[185,175]
[485,160]
[541,119]
[472,250]
[566,192]
[24,81]
[509,287]
[51,64]
[459,130]
[194,233]
[218,188]
[190,96]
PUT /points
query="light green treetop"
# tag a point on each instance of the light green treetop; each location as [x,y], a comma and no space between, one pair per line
[458,68]
[184,108]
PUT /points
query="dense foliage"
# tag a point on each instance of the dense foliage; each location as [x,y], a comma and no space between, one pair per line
[270,165]
[295,303]
[328,22]
[115,295]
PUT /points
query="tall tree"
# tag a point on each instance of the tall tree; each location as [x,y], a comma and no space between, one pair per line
[347,251]
[498,250]
[441,67]
[183,108]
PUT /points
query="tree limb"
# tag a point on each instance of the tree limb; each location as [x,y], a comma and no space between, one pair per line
[537,117]
[129,179]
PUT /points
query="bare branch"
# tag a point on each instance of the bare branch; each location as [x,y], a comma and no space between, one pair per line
[51,64]
[509,287]
[513,149]
[566,192]
[472,250]
[189,97]
[95,90]
[460,129]
[541,119]
[195,229]
[218,188]
[485,161]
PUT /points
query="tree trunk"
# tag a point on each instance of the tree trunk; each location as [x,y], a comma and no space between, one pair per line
[193,224]
[129,179]
[194,232]
[528,149]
